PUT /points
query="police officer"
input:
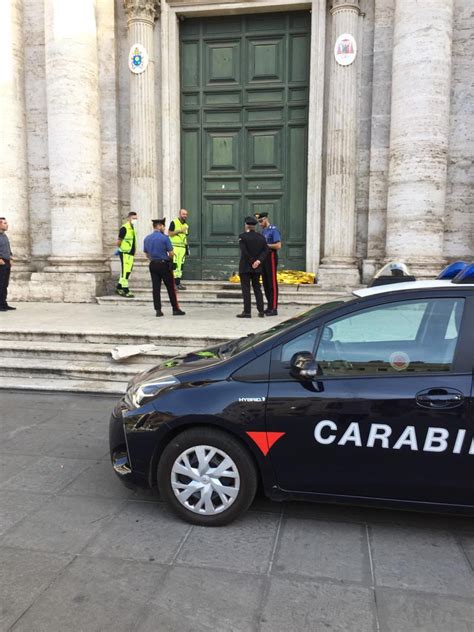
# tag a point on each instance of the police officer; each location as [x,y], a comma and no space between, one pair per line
[127,244]
[159,251]
[253,252]
[269,272]
[178,231]
[5,265]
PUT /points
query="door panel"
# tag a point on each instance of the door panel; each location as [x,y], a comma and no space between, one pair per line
[244,101]
[389,416]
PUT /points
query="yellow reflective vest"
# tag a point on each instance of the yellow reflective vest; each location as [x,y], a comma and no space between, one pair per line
[127,242]
[182,238]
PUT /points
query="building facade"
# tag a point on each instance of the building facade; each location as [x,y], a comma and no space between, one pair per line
[351,122]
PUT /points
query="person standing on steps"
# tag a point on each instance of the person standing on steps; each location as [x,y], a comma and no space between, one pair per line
[178,232]
[159,251]
[253,252]
[127,245]
[6,258]
[269,273]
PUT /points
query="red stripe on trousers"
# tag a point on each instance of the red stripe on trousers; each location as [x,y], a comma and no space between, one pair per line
[174,291]
[274,281]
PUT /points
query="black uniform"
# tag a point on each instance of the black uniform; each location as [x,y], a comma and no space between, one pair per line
[252,247]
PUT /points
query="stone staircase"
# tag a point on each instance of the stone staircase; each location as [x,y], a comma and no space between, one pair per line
[55,347]
[224,292]
[82,362]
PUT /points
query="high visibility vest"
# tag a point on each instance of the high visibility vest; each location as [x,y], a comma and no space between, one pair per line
[182,238]
[127,242]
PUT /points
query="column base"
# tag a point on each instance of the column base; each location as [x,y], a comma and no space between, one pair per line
[59,287]
[370,267]
[338,276]
[76,265]
[422,267]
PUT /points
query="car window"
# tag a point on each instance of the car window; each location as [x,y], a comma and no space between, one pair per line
[404,337]
[281,355]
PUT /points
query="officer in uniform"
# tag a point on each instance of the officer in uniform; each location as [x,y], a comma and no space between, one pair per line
[269,273]
[127,244]
[178,231]
[253,252]
[159,251]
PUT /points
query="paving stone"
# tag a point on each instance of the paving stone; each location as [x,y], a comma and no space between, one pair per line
[400,611]
[46,474]
[420,559]
[63,525]
[467,544]
[313,606]
[140,531]
[205,600]
[83,443]
[323,549]
[12,464]
[15,505]
[98,480]
[107,595]
[35,440]
[29,416]
[24,576]
[244,545]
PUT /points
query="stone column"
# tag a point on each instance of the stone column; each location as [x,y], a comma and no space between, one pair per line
[73,137]
[421,83]
[338,267]
[13,159]
[141,16]
[379,137]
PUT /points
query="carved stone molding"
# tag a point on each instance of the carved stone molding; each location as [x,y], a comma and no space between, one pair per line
[345,5]
[141,9]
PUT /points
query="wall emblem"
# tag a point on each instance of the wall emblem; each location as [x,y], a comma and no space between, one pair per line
[138,59]
[345,49]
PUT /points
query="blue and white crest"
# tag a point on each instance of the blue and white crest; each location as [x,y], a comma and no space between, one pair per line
[137,59]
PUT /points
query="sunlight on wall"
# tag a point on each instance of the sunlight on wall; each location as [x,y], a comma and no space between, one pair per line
[72,19]
[6,44]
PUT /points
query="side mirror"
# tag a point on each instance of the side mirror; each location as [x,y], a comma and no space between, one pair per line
[303,365]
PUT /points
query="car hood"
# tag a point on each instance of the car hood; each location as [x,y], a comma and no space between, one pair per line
[182,364]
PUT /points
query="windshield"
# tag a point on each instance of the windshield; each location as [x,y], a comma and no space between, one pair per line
[236,346]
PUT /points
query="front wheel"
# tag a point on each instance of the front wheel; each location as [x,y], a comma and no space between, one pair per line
[207,477]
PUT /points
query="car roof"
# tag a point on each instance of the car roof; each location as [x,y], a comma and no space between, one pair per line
[411,285]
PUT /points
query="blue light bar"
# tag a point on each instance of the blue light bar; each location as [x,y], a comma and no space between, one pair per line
[466,275]
[452,270]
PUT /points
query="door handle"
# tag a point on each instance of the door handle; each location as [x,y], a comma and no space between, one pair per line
[440,398]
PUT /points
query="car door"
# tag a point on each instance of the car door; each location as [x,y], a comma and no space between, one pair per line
[389,416]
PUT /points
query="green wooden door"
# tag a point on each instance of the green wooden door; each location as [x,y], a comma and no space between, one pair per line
[244,113]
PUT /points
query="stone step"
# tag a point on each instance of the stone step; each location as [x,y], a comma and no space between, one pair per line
[227,285]
[214,298]
[85,351]
[26,370]
[114,338]
[63,385]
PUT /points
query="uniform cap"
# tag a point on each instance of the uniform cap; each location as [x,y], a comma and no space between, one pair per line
[250,221]
[261,215]
[156,222]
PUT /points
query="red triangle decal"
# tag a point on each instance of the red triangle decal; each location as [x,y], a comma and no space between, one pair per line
[265,440]
[272,438]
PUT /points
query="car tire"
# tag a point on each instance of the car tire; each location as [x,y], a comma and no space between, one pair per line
[191,483]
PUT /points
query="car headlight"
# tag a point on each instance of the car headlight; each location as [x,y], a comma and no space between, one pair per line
[139,394]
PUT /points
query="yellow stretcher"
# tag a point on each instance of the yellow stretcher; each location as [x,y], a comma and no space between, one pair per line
[291,277]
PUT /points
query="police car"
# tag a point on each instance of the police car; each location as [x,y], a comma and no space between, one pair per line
[368,399]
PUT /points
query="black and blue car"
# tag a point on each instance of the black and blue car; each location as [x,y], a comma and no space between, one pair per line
[368,399]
